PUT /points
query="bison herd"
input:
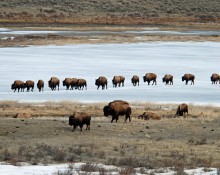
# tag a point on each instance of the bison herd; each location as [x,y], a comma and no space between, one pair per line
[118,108]
[117,81]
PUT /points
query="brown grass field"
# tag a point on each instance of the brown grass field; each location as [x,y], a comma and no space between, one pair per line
[180,142]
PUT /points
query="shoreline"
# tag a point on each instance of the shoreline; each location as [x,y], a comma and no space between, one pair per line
[101,35]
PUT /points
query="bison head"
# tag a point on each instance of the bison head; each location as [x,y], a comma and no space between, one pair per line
[183,78]
[163,79]
[64,83]
[49,84]
[97,82]
[106,111]
[144,78]
[12,86]
[71,120]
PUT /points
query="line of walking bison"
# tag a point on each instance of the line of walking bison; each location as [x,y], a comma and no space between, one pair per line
[115,109]
[117,81]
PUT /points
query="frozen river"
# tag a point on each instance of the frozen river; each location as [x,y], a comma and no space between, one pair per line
[91,61]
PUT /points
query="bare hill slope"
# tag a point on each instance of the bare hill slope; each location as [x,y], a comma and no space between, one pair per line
[110,11]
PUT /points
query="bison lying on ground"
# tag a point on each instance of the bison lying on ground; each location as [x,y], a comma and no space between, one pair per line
[80,119]
[149,115]
[22,115]
[182,109]
[118,108]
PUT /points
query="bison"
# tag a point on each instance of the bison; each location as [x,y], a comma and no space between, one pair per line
[40,85]
[80,119]
[29,84]
[68,82]
[150,77]
[215,78]
[135,80]
[182,109]
[18,85]
[80,84]
[53,83]
[118,80]
[101,81]
[168,79]
[118,108]
[74,83]
[188,77]
[149,115]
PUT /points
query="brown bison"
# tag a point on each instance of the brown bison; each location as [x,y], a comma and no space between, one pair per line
[53,83]
[118,80]
[135,80]
[168,79]
[68,82]
[215,78]
[18,85]
[101,81]
[74,83]
[80,84]
[182,109]
[188,77]
[149,115]
[22,115]
[118,108]
[40,85]
[150,77]
[29,84]
[80,119]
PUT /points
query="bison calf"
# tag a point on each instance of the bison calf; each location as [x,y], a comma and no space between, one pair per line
[80,119]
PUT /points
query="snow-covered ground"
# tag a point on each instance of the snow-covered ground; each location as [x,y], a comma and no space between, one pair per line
[76,169]
[149,30]
[91,61]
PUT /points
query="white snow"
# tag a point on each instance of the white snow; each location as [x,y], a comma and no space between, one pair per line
[150,30]
[91,61]
[6,169]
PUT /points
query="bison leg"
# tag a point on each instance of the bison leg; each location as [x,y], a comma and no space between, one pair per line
[81,126]
[88,127]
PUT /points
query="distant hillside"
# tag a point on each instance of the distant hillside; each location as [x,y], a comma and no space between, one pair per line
[110,11]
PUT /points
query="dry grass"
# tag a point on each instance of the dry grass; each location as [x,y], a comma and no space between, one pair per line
[27,40]
[170,142]
[66,108]
[111,12]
